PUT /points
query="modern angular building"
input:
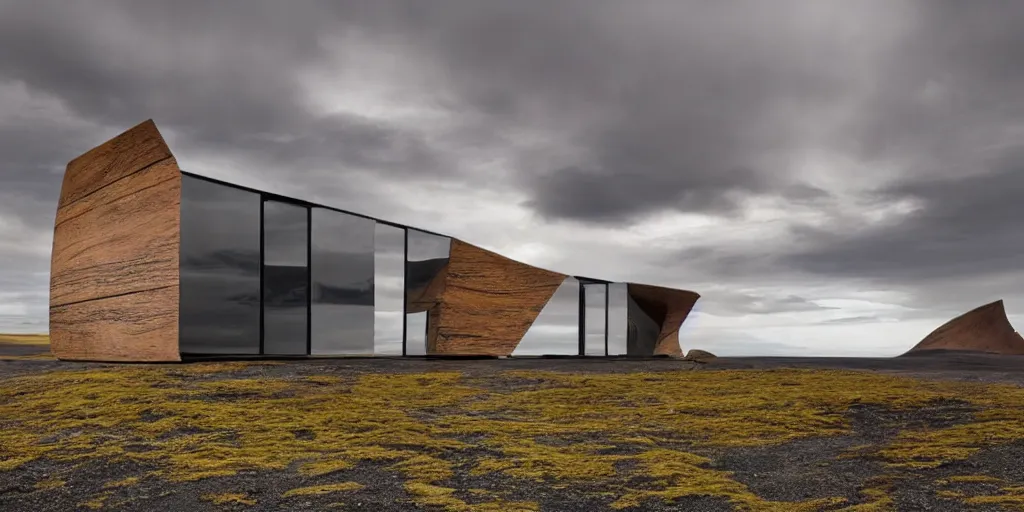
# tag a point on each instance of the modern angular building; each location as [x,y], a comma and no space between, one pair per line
[151,263]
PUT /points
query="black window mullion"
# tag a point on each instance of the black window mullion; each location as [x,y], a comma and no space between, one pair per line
[309,281]
[263,202]
[606,319]
[582,326]
[405,287]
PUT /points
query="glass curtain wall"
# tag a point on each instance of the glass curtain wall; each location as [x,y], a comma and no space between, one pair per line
[389,289]
[285,278]
[595,319]
[263,275]
[219,269]
[556,329]
[643,331]
[618,317]
[342,296]
[426,263]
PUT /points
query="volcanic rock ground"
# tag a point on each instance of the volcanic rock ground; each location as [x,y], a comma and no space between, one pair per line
[958,447]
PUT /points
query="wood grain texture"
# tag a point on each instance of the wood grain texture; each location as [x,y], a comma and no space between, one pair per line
[122,239]
[116,240]
[667,306]
[489,302]
[141,327]
[983,329]
[129,152]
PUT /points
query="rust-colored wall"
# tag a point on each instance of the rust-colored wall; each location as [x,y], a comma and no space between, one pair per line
[114,266]
[667,306]
[489,301]
[983,329]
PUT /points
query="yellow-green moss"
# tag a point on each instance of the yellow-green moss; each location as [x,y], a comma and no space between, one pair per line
[229,498]
[323,489]
[211,420]
[26,357]
[49,483]
[1009,496]
[323,467]
[95,502]
[977,479]
[25,339]
[122,483]
[427,495]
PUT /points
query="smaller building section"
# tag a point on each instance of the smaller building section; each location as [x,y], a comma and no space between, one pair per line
[154,264]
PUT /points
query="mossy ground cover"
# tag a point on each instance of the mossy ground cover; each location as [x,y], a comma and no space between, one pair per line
[237,436]
[25,339]
[24,347]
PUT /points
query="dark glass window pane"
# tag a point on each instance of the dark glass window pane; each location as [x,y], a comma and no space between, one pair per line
[643,331]
[220,269]
[285,278]
[594,320]
[618,299]
[342,298]
[389,289]
[427,264]
[556,329]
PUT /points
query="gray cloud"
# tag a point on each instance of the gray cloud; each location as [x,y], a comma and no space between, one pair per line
[724,302]
[968,225]
[664,105]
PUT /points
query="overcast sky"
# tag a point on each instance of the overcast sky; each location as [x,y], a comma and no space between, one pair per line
[834,177]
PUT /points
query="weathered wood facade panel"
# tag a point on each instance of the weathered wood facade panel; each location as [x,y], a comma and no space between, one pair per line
[139,327]
[667,306]
[489,301]
[114,269]
[129,244]
[128,153]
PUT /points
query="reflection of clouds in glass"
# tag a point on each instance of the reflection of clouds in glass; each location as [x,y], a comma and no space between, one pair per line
[284,330]
[336,232]
[342,316]
[416,334]
[284,234]
[285,278]
[556,329]
[594,319]
[219,269]
[387,333]
[342,329]
[425,246]
[426,258]
[217,218]
[389,289]
[617,318]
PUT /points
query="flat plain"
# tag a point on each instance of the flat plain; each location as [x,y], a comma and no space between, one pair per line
[935,432]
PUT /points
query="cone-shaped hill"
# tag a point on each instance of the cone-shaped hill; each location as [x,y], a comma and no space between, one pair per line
[983,329]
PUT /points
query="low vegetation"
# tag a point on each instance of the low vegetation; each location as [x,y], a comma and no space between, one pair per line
[631,439]
[25,339]
[229,498]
